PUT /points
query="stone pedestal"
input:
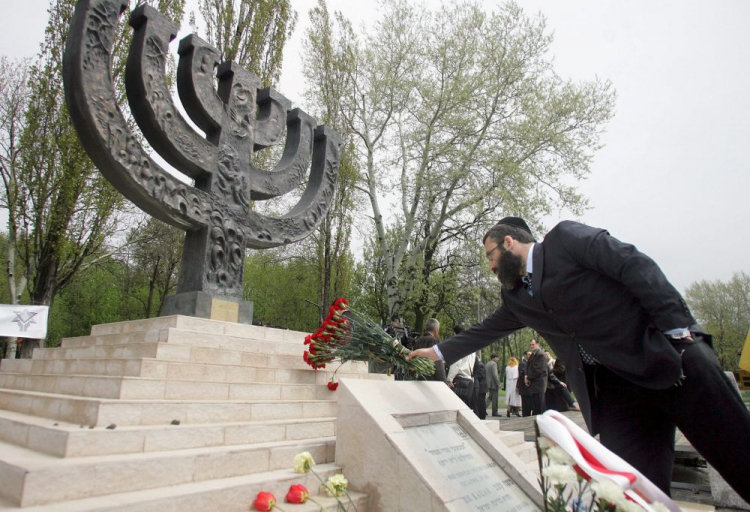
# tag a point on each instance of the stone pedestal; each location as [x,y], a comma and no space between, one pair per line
[211,307]
[416,446]
[167,413]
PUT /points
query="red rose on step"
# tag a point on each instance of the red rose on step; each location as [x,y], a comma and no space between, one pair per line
[333,385]
[265,501]
[297,494]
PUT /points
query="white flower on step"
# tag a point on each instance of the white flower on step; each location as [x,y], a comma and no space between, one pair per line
[544,443]
[559,473]
[303,462]
[559,456]
[336,485]
[608,491]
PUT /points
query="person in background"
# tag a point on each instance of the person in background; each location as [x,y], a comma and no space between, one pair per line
[493,384]
[461,375]
[427,340]
[480,388]
[398,331]
[537,375]
[523,389]
[512,397]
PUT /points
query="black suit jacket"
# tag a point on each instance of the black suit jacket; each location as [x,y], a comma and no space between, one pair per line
[591,289]
[537,370]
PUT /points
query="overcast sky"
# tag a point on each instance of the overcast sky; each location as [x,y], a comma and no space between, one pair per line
[672,177]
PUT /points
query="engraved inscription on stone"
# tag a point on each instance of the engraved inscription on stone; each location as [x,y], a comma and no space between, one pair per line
[224,310]
[467,470]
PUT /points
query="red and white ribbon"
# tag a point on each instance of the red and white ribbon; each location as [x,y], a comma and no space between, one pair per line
[594,462]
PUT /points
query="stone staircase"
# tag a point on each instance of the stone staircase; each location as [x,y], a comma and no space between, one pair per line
[170,413]
[515,440]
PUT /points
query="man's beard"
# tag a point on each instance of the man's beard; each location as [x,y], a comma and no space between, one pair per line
[509,271]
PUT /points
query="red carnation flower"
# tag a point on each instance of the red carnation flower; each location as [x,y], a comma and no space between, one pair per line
[297,494]
[333,385]
[265,501]
[341,303]
[308,339]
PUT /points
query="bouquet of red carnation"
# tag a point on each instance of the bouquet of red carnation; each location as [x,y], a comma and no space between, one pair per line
[348,335]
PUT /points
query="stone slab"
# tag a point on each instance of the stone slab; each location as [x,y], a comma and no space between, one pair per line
[195,324]
[416,446]
[227,495]
[79,478]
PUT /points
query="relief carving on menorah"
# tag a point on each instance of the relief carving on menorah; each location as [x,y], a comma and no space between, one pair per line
[238,118]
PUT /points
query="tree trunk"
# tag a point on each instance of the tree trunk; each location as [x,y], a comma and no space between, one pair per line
[152,287]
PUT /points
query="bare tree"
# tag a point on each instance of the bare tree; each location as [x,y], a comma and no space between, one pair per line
[459,117]
[14,94]
[251,33]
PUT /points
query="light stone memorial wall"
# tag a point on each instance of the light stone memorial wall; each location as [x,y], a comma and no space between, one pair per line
[417,446]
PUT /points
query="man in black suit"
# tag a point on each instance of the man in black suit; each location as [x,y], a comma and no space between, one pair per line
[428,339]
[523,389]
[637,362]
[535,378]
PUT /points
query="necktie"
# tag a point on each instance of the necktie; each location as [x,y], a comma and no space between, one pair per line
[527,283]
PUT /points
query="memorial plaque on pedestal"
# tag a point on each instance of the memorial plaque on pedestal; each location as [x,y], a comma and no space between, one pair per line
[205,305]
[467,469]
[225,310]
[416,446]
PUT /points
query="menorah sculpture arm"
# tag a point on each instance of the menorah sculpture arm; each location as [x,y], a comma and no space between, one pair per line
[207,110]
[237,118]
[102,129]
[196,72]
[151,100]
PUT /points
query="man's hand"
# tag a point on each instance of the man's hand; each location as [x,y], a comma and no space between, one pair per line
[427,353]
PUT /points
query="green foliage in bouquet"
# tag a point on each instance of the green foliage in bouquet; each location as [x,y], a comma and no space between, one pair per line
[348,335]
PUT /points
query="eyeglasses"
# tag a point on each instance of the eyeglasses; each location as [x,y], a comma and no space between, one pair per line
[489,254]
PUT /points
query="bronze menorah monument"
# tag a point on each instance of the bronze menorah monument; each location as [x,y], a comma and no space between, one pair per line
[238,118]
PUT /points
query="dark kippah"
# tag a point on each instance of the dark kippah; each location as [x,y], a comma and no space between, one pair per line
[517,222]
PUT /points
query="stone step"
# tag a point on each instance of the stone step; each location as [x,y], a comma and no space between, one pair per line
[199,325]
[165,369]
[172,352]
[192,338]
[493,426]
[526,451]
[157,389]
[115,339]
[100,412]
[62,439]
[235,494]
[511,438]
[30,478]
[533,467]
[176,347]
